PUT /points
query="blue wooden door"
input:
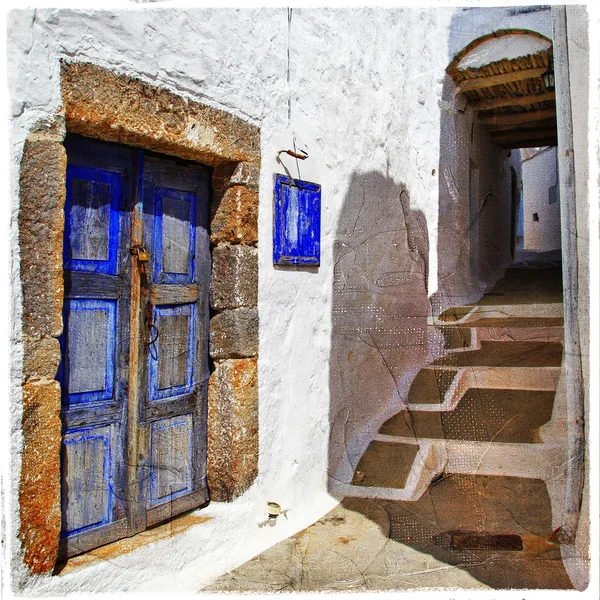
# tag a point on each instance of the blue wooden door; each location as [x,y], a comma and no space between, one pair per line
[134,368]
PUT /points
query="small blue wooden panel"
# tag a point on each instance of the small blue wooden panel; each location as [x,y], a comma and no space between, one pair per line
[87,479]
[174,235]
[88,367]
[171,453]
[296,222]
[92,220]
[171,365]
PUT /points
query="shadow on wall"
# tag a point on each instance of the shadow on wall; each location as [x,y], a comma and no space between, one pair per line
[463,521]
[379,314]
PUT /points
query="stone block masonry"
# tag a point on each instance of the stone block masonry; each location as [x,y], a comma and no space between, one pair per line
[236,218]
[233,433]
[102,104]
[234,334]
[233,389]
[234,277]
[41,223]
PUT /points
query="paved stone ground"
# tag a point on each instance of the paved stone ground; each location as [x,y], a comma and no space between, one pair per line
[373,545]
[346,550]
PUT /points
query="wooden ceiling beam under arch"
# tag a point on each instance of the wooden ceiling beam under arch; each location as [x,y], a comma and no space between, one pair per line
[510,95]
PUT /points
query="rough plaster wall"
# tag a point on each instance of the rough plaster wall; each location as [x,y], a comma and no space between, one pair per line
[470,23]
[539,175]
[474,239]
[493,217]
[495,49]
[381,173]
[361,100]
[364,104]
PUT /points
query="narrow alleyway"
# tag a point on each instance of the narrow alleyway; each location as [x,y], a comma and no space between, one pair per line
[456,490]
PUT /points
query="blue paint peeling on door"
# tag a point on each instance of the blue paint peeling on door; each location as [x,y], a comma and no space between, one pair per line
[174,236]
[95,343]
[89,339]
[176,208]
[84,508]
[173,354]
[296,222]
[92,219]
[175,478]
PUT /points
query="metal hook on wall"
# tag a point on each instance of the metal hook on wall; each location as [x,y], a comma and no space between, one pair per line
[300,155]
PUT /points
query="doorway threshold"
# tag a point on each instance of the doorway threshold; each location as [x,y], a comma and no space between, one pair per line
[172,528]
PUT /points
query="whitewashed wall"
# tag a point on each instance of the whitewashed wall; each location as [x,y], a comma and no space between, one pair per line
[474,205]
[361,95]
[465,145]
[539,176]
[585,90]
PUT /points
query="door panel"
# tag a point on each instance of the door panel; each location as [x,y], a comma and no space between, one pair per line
[92,219]
[89,496]
[172,446]
[92,373]
[106,496]
[91,326]
[174,235]
[171,365]
[176,205]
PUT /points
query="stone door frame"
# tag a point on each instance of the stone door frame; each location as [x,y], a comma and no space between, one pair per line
[102,104]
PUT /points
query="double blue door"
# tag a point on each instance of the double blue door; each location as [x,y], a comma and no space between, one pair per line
[134,372]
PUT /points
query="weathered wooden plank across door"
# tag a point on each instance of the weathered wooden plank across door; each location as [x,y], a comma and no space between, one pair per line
[176,207]
[93,372]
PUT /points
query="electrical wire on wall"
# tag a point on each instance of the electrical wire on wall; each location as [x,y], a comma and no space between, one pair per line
[289,16]
[298,154]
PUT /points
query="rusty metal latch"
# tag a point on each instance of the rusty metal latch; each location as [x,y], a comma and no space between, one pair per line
[141,253]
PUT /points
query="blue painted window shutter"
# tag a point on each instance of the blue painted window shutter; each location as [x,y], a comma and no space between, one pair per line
[296,222]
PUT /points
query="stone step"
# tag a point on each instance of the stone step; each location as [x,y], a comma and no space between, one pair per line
[457,337]
[463,315]
[507,354]
[458,381]
[535,461]
[371,481]
[484,415]
[431,386]
[386,464]
[469,335]
[435,458]
[517,322]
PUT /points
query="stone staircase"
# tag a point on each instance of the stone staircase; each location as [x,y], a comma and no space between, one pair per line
[471,469]
[479,409]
